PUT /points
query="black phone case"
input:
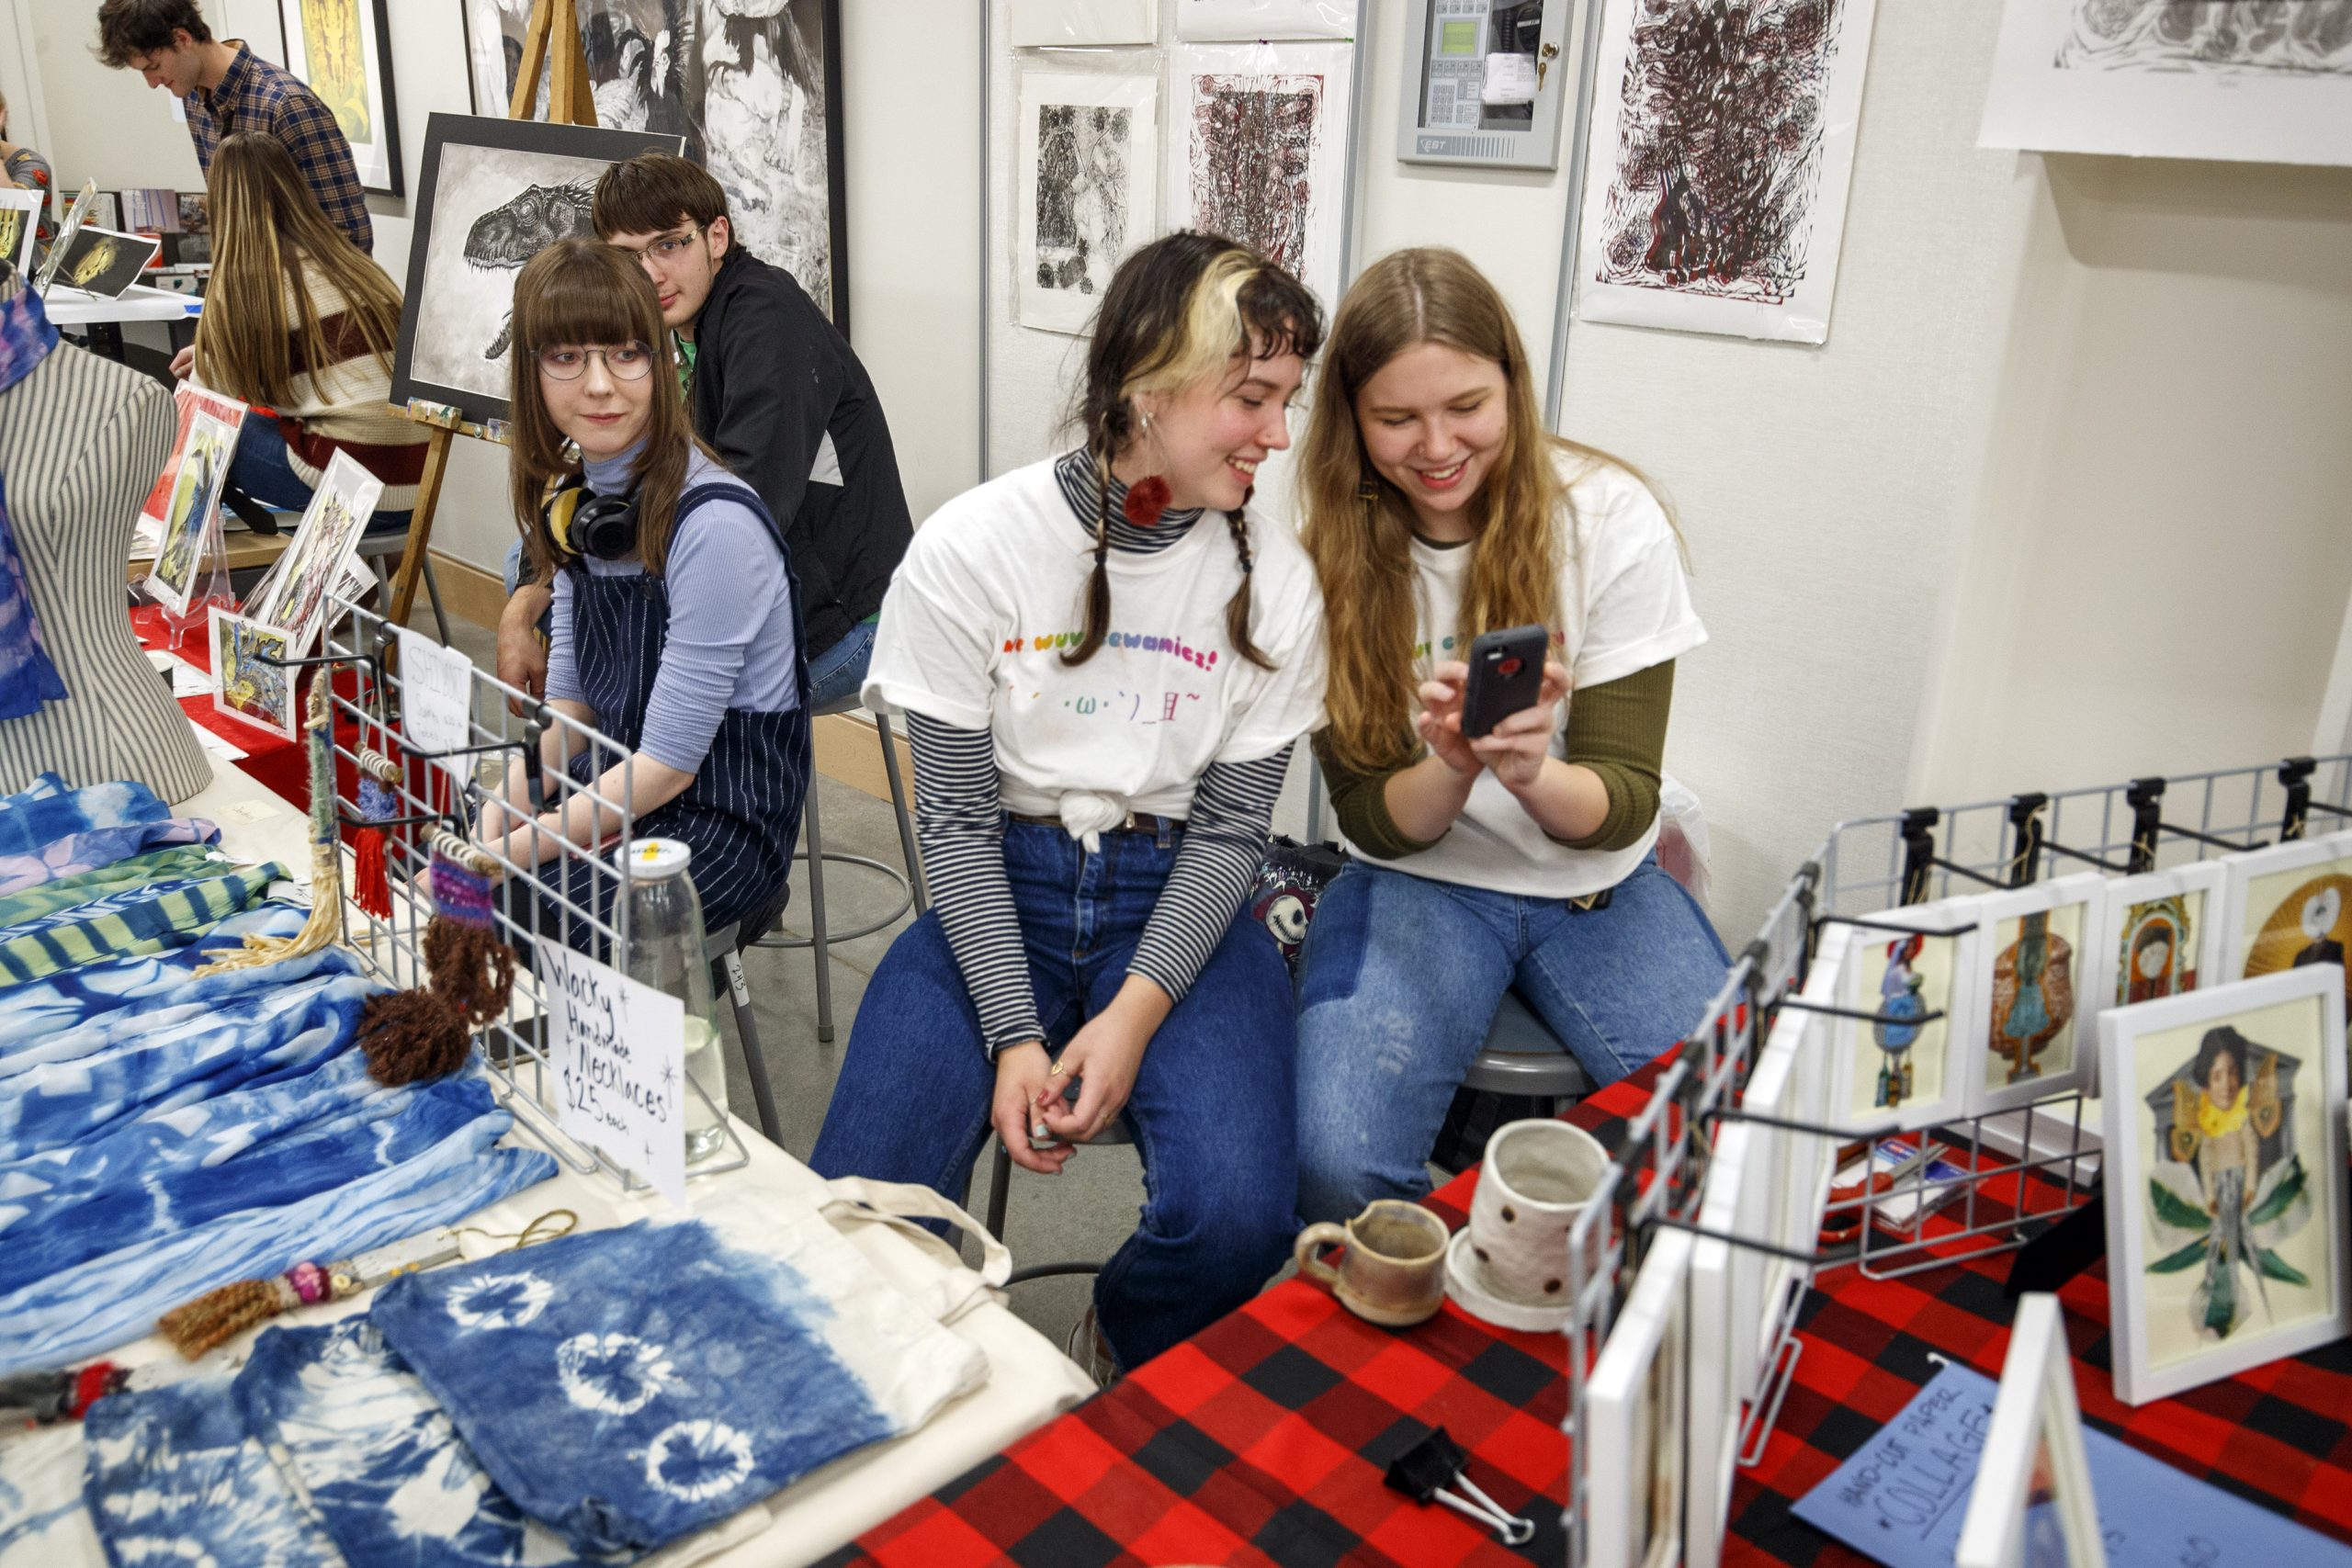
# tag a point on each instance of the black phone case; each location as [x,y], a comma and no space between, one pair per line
[1505,675]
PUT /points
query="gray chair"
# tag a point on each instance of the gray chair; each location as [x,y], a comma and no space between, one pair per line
[1001,1191]
[382,553]
[909,882]
[726,956]
[1523,1058]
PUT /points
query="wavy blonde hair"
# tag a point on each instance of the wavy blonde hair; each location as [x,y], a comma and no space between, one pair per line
[1360,527]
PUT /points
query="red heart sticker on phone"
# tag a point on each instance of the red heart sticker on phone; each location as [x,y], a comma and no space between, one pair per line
[1508,667]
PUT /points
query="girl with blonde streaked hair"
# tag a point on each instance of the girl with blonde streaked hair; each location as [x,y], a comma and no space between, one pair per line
[1439,508]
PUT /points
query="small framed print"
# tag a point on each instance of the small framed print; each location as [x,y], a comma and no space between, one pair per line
[1734,1298]
[2032,1501]
[2223,1119]
[2160,935]
[2288,907]
[1902,1066]
[1634,1414]
[1810,1161]
[244,686]
[2033,1036]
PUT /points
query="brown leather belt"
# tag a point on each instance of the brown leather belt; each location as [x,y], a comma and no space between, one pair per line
[1137,822]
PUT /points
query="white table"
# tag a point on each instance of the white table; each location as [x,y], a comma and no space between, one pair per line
[1029,1382]
[79,308]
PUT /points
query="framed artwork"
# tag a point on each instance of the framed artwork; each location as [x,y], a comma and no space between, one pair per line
[292,596]
[752,89]
[1088,173]
[105,261]
[1723,143]
[1633,1418]
[188,400]
[1905,1066]
[20,221]
[192,518]
[68,227]
[244,687]
[1257,150]
[1245,21]
[342,50]
[2032,1501]
[2288,906]
[2160,935]
[495,193]
[2033,1013]
[1070,24]
[1811,1160]
[2270,85]
[2223,1119]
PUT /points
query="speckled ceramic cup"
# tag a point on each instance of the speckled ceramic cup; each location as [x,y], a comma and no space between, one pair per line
[1536,1179]
[1394,1270]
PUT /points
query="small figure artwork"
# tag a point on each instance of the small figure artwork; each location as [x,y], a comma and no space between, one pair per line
[1257,150]
[2034,995]
[2298,919]
[243,683]
[2158,951]
[1895,1030]
[1087,189]
[190,526]
[2232,1190]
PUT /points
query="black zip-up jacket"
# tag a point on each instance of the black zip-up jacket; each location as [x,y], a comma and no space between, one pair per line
[773,381]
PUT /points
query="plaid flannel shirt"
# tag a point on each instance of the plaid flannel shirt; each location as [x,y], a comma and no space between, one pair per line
[258,96]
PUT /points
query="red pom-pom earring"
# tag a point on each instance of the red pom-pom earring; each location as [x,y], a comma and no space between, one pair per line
[1147,500]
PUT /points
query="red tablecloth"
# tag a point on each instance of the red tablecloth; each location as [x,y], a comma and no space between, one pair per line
[1263,1438]
[273,760]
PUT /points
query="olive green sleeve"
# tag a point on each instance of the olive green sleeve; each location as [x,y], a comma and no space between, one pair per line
[1618,730]
[1360,801]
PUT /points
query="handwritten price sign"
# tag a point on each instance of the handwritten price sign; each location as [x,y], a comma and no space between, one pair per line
[619,1053]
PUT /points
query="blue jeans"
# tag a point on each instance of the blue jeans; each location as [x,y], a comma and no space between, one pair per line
[1398,984]
[261,469]
[1212,1113]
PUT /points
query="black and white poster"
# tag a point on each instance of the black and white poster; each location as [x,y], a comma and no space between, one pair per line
[752,86]
[1088,194]
[495,193]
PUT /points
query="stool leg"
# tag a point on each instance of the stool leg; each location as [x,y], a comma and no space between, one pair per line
[906,823]
[433,591]
[817,917]
[999,1188]
[729,971]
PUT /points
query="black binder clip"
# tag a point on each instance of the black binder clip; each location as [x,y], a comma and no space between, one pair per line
[1424,1471]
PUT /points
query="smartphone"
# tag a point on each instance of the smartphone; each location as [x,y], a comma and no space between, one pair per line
[1505,675]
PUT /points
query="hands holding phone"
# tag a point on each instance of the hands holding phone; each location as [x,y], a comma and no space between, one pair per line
[1517,745]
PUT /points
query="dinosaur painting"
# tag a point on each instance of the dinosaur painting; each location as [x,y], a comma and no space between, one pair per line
[511,233]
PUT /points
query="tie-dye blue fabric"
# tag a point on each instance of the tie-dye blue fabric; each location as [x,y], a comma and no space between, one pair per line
[47,810]
[385,1471]
[78,996]
[78,852]
[172,1477]
[625,1416]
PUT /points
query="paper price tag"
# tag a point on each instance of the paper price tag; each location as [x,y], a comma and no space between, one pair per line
[436,697]
[619,1054]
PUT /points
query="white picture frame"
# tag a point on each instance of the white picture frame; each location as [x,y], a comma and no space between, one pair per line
[1087,167]
[1726,1297]
[1244,21]
[1080,24]
[20,216]
[2173,1328]
[2034,1442]
[191,534]
[1882,1081]
[1633,1418]
[2270,890]
[2180,910]
[1811,1158]
[2003,1070]
[259,694]
[292,596]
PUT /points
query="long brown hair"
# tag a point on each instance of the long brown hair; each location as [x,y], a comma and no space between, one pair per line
[266,224]
[1360,527]
[1177,312]
[582,291]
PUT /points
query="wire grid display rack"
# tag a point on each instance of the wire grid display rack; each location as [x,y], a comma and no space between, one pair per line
[573,896]
[2022,1168]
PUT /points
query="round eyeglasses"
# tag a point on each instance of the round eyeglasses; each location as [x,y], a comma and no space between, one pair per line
[666,249]
[623,361]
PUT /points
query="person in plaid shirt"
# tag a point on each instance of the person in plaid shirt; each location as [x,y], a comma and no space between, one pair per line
[228,88]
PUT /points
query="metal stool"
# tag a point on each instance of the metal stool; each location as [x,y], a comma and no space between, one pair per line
[1525,1059]
[816,855]
[1000,1191]
[726,956]
[376,549]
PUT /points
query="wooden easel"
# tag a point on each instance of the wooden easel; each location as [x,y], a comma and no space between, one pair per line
[570,102]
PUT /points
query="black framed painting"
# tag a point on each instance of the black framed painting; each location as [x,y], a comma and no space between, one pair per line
[494,194]
[342,49]
[757,98]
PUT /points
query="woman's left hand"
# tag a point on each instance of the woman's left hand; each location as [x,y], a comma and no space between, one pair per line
[1516,750]
[1104,1057]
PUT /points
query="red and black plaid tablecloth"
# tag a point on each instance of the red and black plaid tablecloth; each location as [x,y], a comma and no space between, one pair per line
[1263,1438]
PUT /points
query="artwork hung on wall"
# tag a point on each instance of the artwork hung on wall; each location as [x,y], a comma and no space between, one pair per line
[1089,187]
[1247,20]
[2160,79]
[495,193]
[1068,24]
[1901,1067]
[242,685]
[754,87]
[2223,1113]
[1257,148]
[20,221]
[343,49]
[293,596]
[2288,907]
[1634,1407]
[2032,1501]
[1723,143]
[105,261]
[2034,1014]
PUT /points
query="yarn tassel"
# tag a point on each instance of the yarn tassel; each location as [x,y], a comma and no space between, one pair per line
[218,1316]
[325,924]
[469,975]
[371,887]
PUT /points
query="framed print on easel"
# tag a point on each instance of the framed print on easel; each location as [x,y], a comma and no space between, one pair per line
[342,50]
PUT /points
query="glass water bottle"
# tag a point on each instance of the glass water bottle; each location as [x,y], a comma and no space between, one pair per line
[666,951]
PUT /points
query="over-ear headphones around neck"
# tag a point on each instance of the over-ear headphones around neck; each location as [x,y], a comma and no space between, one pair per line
[584,522]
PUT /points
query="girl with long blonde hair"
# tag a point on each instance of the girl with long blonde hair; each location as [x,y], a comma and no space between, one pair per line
[1439,508]
[301,323]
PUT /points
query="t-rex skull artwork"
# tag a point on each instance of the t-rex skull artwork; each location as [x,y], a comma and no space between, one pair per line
[513,231]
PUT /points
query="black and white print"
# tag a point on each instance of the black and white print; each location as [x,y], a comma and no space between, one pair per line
[1258,150]
[495,193]
[1089,154]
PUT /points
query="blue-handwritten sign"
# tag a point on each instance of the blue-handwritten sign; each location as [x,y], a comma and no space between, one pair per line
[1901,1496]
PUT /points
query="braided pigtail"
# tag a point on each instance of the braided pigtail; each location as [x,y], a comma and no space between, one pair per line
[1097,583]
[1237,609]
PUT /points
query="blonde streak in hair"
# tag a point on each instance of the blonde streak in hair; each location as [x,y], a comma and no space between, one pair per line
[1212,325]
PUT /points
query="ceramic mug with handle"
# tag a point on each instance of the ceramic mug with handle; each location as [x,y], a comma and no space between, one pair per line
[1394,1270]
